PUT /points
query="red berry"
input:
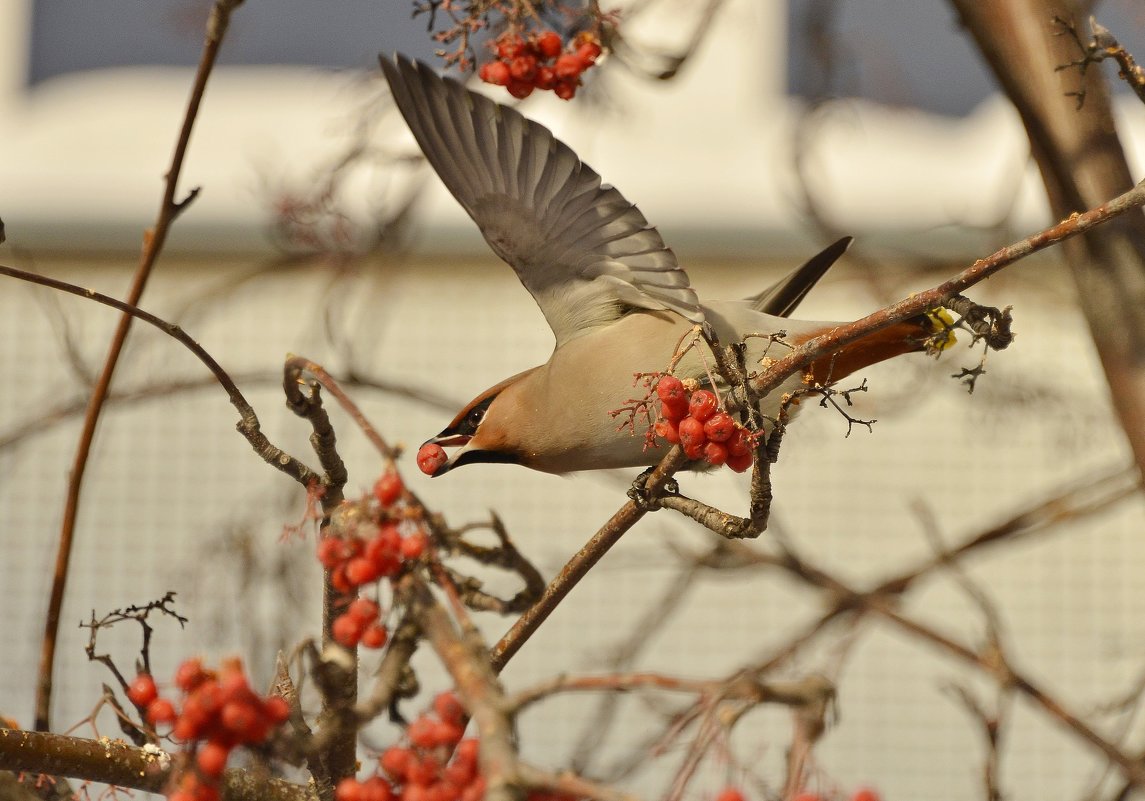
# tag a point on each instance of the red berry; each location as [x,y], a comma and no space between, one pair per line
[186,730]
[730,794]
[233,685]
[142,691]
[443,791]
[330,552]
[691,433]
[569,66]
[339,580]
[375,636]
[520,89]
[243,719]
[588,52]
[385,561]
[475,791]
[703,404]
[545,78]
[388,488]
[448,733]
[510,45]
[413,546]
[201,705]
[459,772]
[719,427]
[360,570]
[715,453]
[212,759]
[523,68]
[415,792]
[496,73]
[276,709]
[190,674]
[376,788]
[448,708]
[675,410]
[347,630]
[671,389]
[740,443]
[667,432]
[865,794]
[349,789]
[160,711]
[389,539]
[549,44]
[431,456]
[739,462]
[423,772]
[395,761]
[421,733]
[467,751]
[364,609]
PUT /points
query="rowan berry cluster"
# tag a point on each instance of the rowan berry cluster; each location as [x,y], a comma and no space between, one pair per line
[219,712]
[540,61]
[693,420]
[370,548]
[436,764]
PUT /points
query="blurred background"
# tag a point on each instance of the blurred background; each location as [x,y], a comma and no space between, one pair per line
[318,232]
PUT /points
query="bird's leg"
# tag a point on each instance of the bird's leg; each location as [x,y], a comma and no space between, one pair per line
[759,509]
[644,498]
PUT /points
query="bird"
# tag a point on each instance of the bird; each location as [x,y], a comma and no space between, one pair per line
[613,293]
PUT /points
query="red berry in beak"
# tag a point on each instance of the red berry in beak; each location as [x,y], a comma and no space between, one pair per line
[430,458]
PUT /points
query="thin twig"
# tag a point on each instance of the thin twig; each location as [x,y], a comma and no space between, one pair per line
[248,424]
[153,242]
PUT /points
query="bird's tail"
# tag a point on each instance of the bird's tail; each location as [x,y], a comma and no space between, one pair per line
[932,332]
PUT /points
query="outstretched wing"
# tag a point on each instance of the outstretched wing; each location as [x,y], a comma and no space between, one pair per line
[585,253]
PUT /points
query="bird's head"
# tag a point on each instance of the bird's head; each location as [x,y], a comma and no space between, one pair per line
[482,432]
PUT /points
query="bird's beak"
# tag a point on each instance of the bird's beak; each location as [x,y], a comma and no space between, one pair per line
[448,440]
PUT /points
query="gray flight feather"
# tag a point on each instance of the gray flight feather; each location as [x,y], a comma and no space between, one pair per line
[586,254]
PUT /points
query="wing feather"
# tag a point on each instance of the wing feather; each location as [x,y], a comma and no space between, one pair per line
[585,253]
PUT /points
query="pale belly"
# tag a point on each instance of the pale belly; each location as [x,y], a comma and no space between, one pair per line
[599,411]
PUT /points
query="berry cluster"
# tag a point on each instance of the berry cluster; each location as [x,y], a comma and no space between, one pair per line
[220,712]
[540,61]
[360,624]
[693,420]
[424,769]
[365,552]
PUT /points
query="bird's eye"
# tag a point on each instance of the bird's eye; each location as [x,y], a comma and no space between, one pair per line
[474,418]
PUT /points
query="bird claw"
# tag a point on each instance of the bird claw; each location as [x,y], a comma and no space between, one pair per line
[645,499]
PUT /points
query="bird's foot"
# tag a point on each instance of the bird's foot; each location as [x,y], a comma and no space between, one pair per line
[644,498]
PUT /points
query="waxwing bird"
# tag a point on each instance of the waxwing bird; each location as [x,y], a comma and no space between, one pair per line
[614,295]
